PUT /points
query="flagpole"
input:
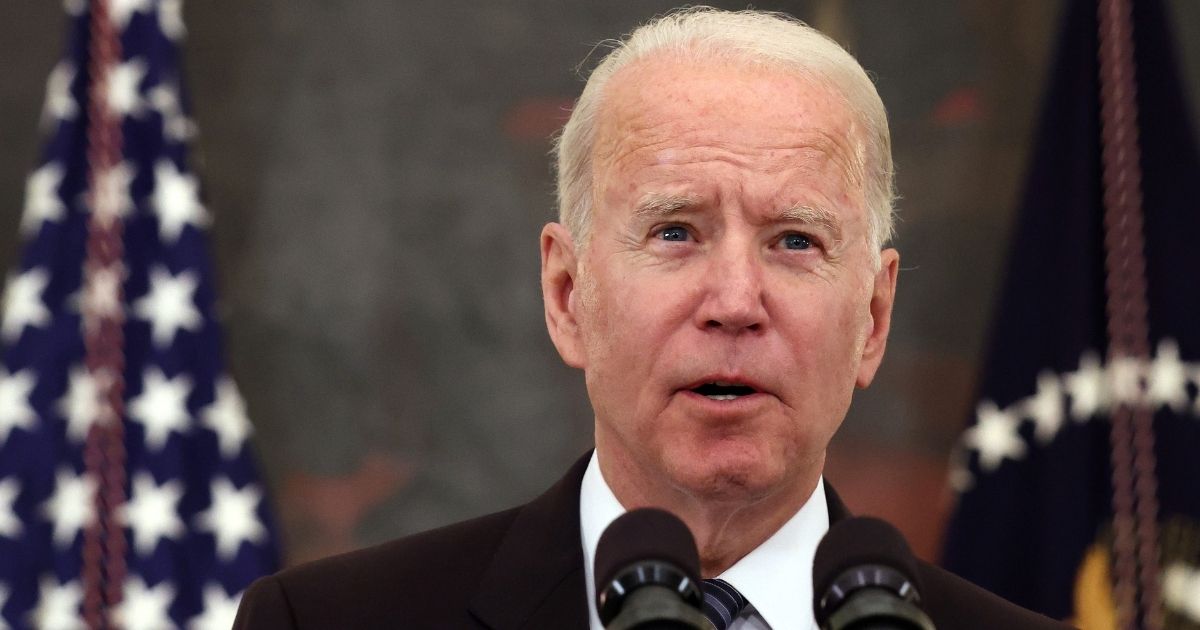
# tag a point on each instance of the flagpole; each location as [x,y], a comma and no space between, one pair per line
[1135,487]
[104,565]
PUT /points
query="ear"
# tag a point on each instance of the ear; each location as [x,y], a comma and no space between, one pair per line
[882,297]
[559,271]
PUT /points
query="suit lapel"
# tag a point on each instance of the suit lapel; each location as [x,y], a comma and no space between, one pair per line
[536,578]
[837,510]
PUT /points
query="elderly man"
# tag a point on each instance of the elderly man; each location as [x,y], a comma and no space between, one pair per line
[719,276]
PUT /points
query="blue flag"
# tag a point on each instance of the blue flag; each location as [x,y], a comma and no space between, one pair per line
[196,521]
[1034,520]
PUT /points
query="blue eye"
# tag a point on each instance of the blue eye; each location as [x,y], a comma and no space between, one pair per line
[796,241]
[674,233]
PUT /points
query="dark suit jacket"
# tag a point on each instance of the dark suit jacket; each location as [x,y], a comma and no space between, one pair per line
[521,568]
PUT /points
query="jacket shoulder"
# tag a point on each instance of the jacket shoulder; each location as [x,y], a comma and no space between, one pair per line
[953,602]
[430,575]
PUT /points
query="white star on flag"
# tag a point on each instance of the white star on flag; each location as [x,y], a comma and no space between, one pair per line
[170,19]
[1094,388]
[163,100]
[71,507]
[176,125]
[23,303]
[15,411]
[152,512]
[994,436]
[169,305]
[1125,379]
[1087,389]
[124,84]
[58,606]
[10,525]
[227,417]
[42,202]
[60,103]
[145,608]
[176,201]
[1168,377]
[161,407]
[80,405]
[102,293]
[121,10]
[1181,589]
[113,199]
[1046,407]
[231,517]
[219,609]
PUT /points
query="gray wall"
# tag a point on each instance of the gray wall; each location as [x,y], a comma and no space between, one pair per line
[378,174]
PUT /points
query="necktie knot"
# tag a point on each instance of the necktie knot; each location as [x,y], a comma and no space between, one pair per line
[722,602]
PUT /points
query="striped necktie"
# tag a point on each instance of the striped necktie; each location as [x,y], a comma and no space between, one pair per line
[722,603]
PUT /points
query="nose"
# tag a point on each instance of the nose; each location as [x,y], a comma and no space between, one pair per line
[733,297]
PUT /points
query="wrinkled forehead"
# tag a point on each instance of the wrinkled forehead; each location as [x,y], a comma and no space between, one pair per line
[653,103]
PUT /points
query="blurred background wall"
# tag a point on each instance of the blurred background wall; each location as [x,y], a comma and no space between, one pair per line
[378,174]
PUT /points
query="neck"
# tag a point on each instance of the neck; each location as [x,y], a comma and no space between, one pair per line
[728,525]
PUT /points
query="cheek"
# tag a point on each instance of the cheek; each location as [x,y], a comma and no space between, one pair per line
[848,312]
[602,317]
[611,327]
[825,339]
[629,310]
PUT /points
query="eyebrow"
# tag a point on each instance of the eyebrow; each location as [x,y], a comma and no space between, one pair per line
[657,205]
[813,215]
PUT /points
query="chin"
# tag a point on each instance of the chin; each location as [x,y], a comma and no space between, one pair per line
[723,474]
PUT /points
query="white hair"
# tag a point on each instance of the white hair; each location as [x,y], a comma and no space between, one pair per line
[752,37]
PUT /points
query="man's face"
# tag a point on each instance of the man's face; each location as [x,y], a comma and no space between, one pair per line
[727,302]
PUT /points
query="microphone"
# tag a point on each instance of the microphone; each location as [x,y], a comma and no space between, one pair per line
[864,578]
[648,574]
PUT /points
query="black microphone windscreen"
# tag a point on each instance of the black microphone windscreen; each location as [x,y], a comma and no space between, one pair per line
[861,541]
[646,534]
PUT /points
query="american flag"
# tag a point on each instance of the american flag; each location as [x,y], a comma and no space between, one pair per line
[193,514]
[1039,518]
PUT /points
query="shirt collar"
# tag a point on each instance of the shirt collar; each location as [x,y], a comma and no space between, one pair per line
[598,507]
[776,576]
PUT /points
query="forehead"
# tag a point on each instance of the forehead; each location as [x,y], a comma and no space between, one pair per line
[661,108]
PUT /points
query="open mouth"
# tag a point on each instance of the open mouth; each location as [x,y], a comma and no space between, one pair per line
[724,391]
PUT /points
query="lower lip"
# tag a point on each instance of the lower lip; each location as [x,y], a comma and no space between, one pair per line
[741,404]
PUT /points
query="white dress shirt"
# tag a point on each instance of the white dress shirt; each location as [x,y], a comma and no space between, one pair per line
[776,577]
